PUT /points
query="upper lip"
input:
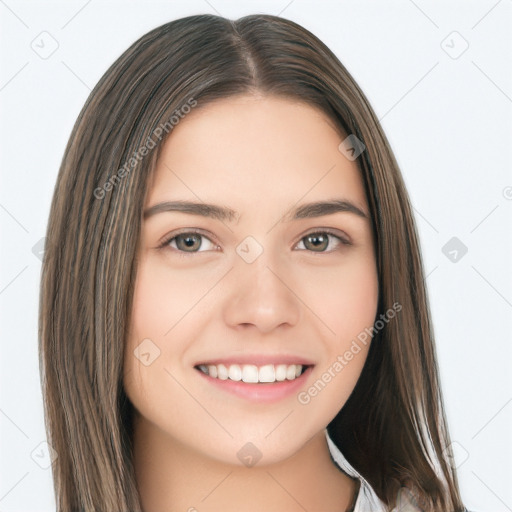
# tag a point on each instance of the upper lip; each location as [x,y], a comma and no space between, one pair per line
[258,360]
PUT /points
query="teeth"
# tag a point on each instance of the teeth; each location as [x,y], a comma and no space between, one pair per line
[235,372]
[252,373]
[267,373]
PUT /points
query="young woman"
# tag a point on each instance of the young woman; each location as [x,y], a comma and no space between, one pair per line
[233,313]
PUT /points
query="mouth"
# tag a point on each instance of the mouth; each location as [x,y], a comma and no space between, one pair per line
[260,384]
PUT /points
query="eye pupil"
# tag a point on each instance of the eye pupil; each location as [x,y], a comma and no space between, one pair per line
[189,241]
[319,240]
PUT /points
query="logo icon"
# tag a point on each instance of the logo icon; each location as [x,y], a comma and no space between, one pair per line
[249,455]
[249,249]
[351,147]
[43,455]
[147,352]
[454,249]
[45,45]
[454,45]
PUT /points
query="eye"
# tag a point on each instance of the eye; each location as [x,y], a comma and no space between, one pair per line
[320,240]
[187,242]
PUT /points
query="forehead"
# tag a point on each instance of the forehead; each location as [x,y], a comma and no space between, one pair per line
[245,150]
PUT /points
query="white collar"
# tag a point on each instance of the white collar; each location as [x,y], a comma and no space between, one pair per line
[367,500]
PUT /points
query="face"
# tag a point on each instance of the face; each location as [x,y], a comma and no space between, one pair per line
[265,284]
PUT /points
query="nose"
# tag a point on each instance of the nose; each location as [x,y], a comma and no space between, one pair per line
[261,295]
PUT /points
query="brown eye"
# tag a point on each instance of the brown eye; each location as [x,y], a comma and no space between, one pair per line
[187,242]
[316,241]
[319,241]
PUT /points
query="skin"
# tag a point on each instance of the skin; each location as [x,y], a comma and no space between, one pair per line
[260,156]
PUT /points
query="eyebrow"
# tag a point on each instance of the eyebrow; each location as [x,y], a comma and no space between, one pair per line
[304,211]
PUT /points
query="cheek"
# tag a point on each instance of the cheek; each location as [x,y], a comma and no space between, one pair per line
[356,306]
[151,319]
[346,301]
[149,309]
[348,306]
[352,316]
[164,301]
[162,297]
[346,298]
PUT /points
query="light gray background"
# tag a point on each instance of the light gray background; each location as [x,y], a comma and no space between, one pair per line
[447,113]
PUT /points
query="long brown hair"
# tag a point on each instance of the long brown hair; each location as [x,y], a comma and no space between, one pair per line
[392,429]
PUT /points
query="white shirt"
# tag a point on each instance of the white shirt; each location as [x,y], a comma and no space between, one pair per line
[367,500]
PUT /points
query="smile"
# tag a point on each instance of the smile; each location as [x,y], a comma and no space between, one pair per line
[264,384]
[251,373]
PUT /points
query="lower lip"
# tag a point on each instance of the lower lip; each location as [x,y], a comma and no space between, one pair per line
[262,392]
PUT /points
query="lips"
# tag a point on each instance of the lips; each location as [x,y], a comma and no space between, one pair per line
[263,393]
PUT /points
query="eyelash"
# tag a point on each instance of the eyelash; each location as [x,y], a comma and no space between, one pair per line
[168,239]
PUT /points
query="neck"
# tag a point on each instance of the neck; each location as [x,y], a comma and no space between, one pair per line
[173,476]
